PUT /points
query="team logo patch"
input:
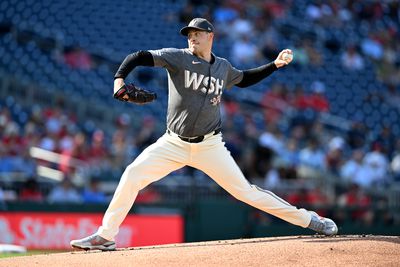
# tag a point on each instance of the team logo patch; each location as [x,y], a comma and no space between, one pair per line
[215,100]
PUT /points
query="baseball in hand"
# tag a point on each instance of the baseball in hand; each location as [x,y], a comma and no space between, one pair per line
[288,57]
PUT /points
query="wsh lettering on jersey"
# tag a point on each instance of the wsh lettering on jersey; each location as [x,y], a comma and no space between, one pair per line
[200,81]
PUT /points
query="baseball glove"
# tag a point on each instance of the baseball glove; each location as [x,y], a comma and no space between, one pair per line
[134,94]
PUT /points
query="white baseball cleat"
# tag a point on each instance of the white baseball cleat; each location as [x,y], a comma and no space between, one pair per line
[322,225]
[93,242]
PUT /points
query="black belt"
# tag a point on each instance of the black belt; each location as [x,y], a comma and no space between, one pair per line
[196,139]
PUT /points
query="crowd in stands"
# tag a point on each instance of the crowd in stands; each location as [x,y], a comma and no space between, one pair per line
[55,130]
[269,153]
[272,141]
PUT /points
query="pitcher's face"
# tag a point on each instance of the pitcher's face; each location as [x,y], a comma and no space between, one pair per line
[199,41]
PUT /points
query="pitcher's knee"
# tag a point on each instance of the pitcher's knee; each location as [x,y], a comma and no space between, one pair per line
[243,194]
[134,175]
[129,171]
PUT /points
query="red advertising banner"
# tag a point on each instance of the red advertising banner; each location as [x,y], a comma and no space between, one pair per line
[42,230]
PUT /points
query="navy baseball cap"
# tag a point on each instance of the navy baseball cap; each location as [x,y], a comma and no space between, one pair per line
[198,24]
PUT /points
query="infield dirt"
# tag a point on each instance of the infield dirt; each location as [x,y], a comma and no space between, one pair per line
[274,251]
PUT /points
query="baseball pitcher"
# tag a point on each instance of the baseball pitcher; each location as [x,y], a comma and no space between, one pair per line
[196,80]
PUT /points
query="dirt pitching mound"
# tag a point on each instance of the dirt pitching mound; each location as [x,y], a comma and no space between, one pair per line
[277,251]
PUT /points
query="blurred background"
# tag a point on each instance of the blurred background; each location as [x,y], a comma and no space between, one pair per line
[322,133]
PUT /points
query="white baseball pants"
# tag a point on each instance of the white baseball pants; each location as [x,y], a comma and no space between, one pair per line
[170,153]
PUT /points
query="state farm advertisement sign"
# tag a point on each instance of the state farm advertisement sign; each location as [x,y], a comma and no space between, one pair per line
[40,230]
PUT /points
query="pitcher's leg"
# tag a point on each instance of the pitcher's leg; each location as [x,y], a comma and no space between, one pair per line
[155,162]
[221,167]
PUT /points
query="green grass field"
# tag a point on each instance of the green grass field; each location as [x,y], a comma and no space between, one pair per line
[30,252]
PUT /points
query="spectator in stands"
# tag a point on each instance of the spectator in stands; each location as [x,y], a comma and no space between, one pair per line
[187,13]
[5,160]
[223,14]
[356,136]
[315,57]
[250,130]
[278,174]
[30,191]
[11,139]
[356,199]
[395,163]
[269,49]
[147,134]
[31,134]
[5,119]
[312,155]
[6,195]
[67,140]
[388,73]
[75,156]
[267,36]
[120,146]
[395,167]
[371,47]
[275,102]
[308,197]
[232,142]
[352,167]
[272,139]
[333,44]
[24,163]
[230,107]
[92,193]
[14,151]
[375,168]
[387,140]
[378,158]
[300,100]
[148,195]
[64,192]
[241,26]
[290,155]
[301,55]
[318,11]
[77,58]
[270,143]
[318,198]
[335,154]
[317,99]
[54,120]
[392,96]
[97,149]
[1,198]
[351,59]
[393,10]
[49,142]
[298,132]
[370,11]
[244,51]
[241,134]
[275,9]
[316,129]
